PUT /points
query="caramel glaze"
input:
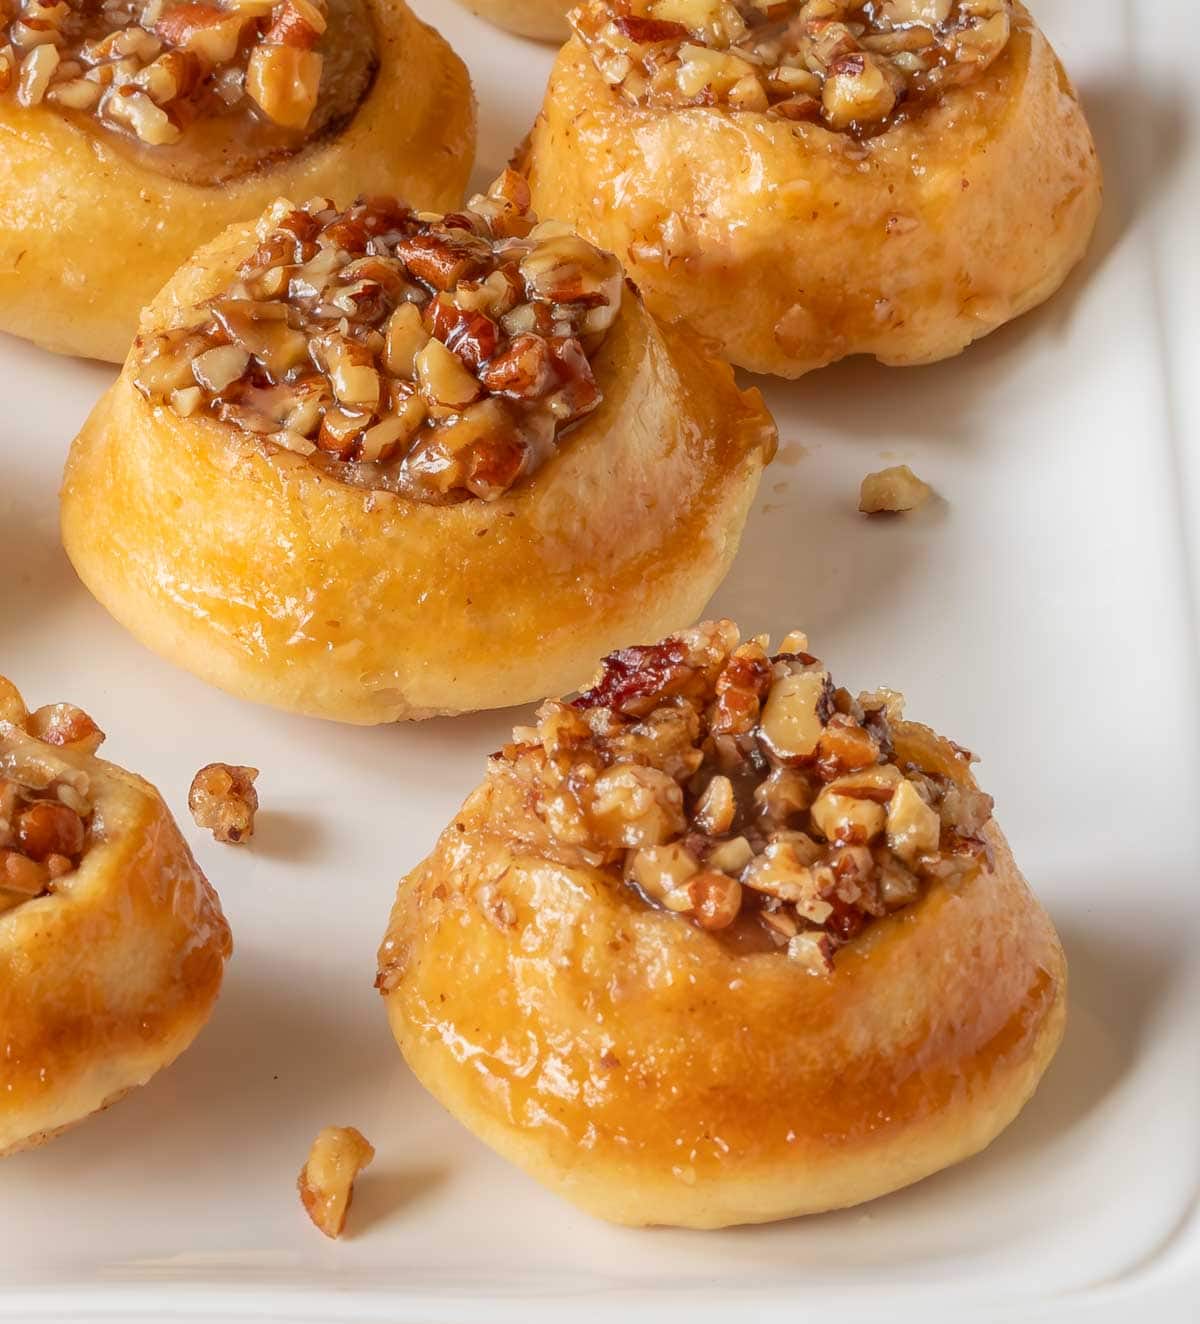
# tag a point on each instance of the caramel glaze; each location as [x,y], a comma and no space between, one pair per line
[90,234]
[791,245]
[637,1065]
[108,978]
[284,585]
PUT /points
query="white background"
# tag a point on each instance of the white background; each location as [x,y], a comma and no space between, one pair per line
[1042,611]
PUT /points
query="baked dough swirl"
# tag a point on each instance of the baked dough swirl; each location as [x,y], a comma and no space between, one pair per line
[371,464]
[135,130]
[112,944]
[810,179]
[719,943]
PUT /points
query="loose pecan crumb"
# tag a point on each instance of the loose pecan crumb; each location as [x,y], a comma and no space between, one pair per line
[326,1182]
[890,491]
[745,791]
[857,67]
[223,800]
[442,357]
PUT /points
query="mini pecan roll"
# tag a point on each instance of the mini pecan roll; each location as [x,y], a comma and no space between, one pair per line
[717,942]
[804,180]
[112,942]
[378,464]
[856,67]
[438,356]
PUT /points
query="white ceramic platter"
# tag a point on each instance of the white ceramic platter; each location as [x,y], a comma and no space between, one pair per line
[1042,612]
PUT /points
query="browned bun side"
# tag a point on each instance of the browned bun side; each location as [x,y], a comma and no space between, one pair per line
[790,245]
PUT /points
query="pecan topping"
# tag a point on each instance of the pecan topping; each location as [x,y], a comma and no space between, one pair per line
[857,67]
[47,820]
[441,357]
[743,790]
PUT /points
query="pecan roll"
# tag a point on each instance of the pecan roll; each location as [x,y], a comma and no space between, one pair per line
[807,179]
[112,943]
[733,915]
[136,130]
[416,463]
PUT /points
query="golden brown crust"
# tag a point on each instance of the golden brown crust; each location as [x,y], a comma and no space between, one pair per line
[89,235]
[280,584]
[109,977]
[791,245]
[543,20]
[637,1066]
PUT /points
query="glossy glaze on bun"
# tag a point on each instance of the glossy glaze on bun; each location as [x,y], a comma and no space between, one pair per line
[111,954]
[673,1012]
[793,242]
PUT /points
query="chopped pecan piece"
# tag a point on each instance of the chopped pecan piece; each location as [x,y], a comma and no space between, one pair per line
[223,800]
[44,828]
[326,1182]
[892,490]
[648,31]
[64,724]
[285,81]
[525,370]
[442,260]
